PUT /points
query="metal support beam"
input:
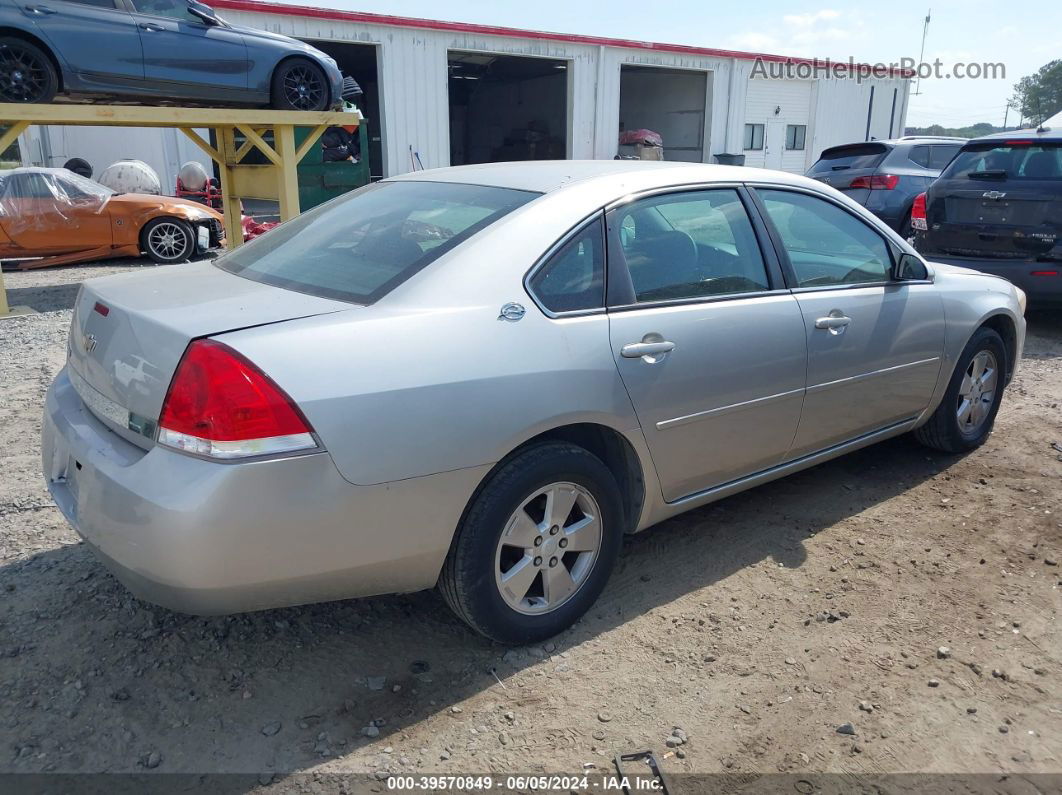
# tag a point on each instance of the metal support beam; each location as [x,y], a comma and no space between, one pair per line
[277,180]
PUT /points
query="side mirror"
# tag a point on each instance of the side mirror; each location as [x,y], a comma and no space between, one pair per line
[204,12]
[909,268]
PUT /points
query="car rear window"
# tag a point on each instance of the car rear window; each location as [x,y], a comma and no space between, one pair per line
[840,158]
[362,245]
[1008,160]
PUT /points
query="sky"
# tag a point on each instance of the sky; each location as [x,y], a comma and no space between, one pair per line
[1022,36]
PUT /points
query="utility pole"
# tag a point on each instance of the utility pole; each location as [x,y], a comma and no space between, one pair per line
[922,53]
[1006,112]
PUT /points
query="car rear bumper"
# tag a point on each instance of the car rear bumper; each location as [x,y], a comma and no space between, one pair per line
[1045,288]
[205,537]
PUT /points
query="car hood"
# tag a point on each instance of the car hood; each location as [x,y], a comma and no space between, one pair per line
[147,201]
[279,38]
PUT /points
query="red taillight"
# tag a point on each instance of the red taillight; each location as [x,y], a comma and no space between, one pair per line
[220,405]
[1017,143]
[876,182]
[918,213]
[1043,273]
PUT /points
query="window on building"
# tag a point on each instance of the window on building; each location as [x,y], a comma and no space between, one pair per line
[795,135]
[753,136]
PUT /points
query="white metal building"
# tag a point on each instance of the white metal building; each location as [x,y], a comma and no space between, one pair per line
[444,93]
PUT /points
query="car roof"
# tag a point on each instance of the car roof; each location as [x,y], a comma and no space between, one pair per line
[546,176]
[1043,134]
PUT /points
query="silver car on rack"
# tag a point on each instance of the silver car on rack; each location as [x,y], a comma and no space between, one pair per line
[481,378]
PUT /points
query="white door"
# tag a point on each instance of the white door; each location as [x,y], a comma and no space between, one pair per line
[774,145]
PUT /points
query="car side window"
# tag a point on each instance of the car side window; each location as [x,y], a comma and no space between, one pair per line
[573,279]
[174,9]
[692,244]
[920,155]
[826,245]
[940,156]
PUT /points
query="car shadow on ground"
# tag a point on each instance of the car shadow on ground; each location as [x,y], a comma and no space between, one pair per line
[283,690]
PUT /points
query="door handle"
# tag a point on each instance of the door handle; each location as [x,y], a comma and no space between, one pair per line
[43,10]
[637,350]
[152,27]
[833,321]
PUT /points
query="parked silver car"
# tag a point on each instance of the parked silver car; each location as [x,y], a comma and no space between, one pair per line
[480,378]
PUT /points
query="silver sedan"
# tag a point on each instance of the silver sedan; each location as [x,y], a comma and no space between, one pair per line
[481,378]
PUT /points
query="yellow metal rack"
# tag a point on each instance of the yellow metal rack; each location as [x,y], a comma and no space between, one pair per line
[277,180]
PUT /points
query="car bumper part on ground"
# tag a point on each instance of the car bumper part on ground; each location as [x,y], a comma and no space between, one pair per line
[1041,281]
[204,537]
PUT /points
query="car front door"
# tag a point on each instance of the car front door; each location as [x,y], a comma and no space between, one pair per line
[184,52]
[874,344]
[709,344]
[45,216]
[97,39]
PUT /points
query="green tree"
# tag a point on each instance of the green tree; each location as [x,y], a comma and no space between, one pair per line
[1038,96]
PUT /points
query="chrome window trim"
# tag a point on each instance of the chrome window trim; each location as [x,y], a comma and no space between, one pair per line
[560,243]
[702,299]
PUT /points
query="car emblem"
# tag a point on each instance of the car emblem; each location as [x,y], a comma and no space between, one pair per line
[88,342]
[993,194]
[512,311]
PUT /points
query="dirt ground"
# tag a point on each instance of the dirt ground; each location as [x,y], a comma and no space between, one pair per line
[758,625]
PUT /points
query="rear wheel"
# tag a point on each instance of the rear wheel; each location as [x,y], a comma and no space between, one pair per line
[27,74]
[965,416]
[537,545]
[168,240]
[300,84]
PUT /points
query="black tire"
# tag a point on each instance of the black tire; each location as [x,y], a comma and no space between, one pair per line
[468,580]
[300,84]
[79,166]
[27,74]
[168,240]
[944,431]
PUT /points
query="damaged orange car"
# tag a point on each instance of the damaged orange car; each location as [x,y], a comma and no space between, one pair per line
[52,216]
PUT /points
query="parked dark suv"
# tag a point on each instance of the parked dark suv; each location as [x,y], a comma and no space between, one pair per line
[997,208]
[885,176]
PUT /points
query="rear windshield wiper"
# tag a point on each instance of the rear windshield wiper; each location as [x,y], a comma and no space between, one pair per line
[839,168]
[992,173]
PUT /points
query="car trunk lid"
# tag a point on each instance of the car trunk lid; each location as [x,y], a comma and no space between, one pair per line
[129,332]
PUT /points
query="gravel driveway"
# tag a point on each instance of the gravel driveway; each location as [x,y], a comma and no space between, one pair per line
[912,595]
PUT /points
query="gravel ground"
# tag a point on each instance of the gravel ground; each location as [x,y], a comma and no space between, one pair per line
[912,595]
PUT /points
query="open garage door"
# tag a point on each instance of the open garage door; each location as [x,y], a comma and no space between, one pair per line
[507,107]
[671,102]
[360,62]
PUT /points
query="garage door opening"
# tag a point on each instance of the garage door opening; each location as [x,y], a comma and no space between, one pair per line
[506,107]
[359,61]
[671,102]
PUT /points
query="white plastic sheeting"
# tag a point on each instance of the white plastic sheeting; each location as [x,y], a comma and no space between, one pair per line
[48,200]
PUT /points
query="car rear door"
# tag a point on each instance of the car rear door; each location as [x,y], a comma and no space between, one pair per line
[709,343]
[96,39]
[184,52]
[874,344]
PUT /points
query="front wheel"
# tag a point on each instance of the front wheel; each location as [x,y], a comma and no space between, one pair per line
[27,74]
[168,240]
[965,416]
[300,84]
[537,545]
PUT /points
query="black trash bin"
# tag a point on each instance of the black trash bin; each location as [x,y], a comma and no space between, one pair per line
[725,159]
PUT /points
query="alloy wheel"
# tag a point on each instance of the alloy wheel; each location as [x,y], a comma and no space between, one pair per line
[977,392]
[548,548]
[167,240]
[303,88]
[23,78]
